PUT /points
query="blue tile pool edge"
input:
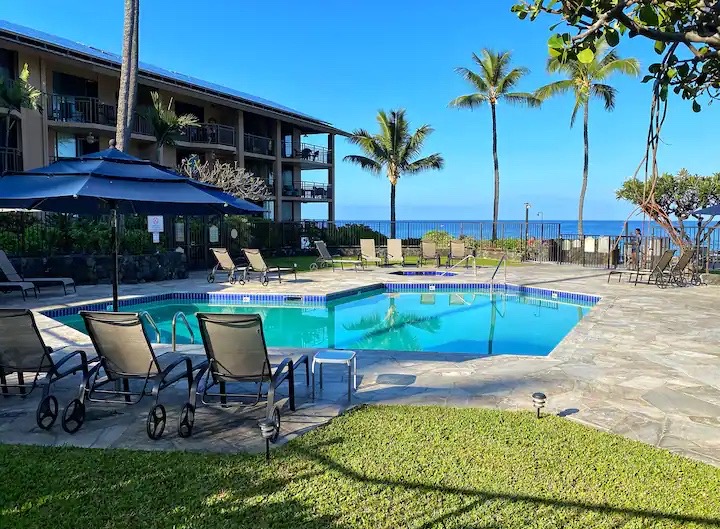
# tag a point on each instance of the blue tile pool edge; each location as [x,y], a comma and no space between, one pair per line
[320,300]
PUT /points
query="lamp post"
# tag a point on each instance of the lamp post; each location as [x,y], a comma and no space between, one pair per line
[527,226]
[542,226]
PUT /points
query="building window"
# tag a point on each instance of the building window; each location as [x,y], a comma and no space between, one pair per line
[287,211]
[65,145]
[8,64]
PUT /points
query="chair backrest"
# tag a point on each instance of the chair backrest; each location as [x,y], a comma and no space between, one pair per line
[457,248]
[223,257]
[323,251]
[684,259]
[22,348]
[255,259]
[367,247]
[121,343]
[429,250]
[235,346]
[664,260]
[7,268]
[394,249]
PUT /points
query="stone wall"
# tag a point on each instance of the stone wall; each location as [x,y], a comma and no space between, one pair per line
[97,269]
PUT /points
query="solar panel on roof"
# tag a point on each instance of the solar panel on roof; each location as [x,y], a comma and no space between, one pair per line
[144,67]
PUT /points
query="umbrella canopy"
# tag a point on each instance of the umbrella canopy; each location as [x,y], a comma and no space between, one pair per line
[111,181]
[710,210]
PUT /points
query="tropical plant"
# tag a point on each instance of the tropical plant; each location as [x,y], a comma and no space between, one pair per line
[494,82]
[585,80]
[128,75]
[167,126]
[395,150]
[229,177]
[14,96]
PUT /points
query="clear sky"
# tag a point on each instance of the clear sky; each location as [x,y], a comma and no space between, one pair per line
[342,61]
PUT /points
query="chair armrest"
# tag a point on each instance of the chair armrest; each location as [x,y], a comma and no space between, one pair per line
[69,356]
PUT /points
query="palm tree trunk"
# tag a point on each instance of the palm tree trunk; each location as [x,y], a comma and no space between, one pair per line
[123,100]
[586,161]
[132,77]
[159,152]
[496,200]
[392,210]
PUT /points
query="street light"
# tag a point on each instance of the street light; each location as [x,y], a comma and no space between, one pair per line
[527,225]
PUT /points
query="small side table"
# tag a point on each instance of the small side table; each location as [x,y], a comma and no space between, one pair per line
[334,356]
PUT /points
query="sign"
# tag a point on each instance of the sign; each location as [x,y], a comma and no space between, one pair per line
[156,237]
[214,234]
[155,223]
[304,243]
[180,232]
[234,233]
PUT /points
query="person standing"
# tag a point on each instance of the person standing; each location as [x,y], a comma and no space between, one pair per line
[635,248]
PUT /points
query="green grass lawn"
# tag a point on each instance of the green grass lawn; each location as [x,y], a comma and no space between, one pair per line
[377,467]
[303,262]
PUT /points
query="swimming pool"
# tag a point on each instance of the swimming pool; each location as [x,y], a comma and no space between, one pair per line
[458,321]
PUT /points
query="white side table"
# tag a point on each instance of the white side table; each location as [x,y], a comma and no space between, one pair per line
[334,356]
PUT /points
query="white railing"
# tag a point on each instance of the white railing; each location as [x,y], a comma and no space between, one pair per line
[466,258]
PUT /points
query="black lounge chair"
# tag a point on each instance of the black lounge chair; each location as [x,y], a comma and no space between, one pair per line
[125,356]
[237,353]
[259,266]
[658,271]
[9,270]
[23,351]
[226,264]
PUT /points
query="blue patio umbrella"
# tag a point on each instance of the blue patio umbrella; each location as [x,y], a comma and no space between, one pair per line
[710,210]
[113,182]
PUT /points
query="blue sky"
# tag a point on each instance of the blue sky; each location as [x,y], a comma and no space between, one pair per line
[342,61]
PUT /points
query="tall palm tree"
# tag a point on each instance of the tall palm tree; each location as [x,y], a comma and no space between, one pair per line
[166,124]
[494,82]
[394,149]
[585,81]
[14,96]
[128,75]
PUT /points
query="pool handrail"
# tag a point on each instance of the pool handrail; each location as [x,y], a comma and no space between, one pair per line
[145,314]
[502,261]
[466,258]
[181,316]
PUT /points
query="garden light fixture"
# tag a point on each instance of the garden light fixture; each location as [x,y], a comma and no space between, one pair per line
[539,402]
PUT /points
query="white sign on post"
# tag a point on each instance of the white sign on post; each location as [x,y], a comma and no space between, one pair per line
[155,223]
[156,237]
[214,234]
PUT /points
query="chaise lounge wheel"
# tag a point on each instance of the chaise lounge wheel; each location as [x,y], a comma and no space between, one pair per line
[186,421]
[211,278]
[276,423]
[156,420]
[47,412]
[73,416]
[313,266]
[265,281]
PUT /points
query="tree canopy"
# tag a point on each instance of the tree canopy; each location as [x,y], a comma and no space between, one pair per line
[685,33]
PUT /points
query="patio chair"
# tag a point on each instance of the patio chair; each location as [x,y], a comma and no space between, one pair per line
[394,252]
[12,276]
[23,287]
[125,357]
[428,252]
[657,272]
[23,351]
[677,272]
[368,254]
[326,259]
[226,264]
[257,264]
[458,252]
[237,354]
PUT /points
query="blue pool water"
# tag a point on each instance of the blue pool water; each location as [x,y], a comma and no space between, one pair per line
[455,322]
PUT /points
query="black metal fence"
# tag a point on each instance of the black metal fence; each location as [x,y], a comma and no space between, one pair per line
[24,234]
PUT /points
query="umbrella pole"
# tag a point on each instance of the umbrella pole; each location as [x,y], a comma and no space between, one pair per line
[114,221]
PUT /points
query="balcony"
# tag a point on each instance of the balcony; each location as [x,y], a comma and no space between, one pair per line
[307,153]
[10,159]
[308,191]
[259,145]
[209,134]
[77,109]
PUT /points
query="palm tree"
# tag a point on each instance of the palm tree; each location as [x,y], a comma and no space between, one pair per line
[395,150]
[493,83]
[128,75]
[166,124]
[14,96]
[585,81]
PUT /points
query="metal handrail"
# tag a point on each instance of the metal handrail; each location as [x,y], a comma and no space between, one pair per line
[466,258]
[182,316]
[145,314]
[503,260]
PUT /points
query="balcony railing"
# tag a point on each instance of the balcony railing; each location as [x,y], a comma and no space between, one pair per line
[77,109]
[259,145]
[307,151]
[10,159]
[141,125]
[210,133]
[313,190]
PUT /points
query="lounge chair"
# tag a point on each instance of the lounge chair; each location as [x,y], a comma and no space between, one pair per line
[22,286]
[657,272]
[677,273]
[368,253]
[126,357]
[326,259]
[23,351]
[394,252]
[226,264]
[258,265]
[458,252]
[12,276]
[237,353]
[428,252]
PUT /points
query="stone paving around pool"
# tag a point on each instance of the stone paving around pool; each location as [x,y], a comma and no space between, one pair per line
[644,363]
